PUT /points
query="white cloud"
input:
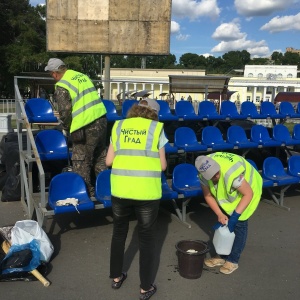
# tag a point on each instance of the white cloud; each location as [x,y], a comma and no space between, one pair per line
[182,37]
[175,27]
[254,48]
[193,9]
[285,23]
[250,8]
[228,32]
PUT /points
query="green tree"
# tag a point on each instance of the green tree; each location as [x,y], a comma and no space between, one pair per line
[236,59]
[291,58]
[190,61]
[277,57]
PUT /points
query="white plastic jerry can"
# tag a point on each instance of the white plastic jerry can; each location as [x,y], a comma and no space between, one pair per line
[223,240]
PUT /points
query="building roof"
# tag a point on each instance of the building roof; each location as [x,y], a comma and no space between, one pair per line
[287,97]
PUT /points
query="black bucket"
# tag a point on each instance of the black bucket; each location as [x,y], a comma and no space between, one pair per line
[190,264]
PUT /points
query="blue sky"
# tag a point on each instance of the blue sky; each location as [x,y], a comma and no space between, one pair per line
[214,27]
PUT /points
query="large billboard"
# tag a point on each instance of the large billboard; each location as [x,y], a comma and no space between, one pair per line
[109,26]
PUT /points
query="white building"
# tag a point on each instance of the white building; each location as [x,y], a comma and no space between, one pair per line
[259,82]
[263,82]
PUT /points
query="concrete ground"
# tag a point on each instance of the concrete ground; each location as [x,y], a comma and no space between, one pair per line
[269,267]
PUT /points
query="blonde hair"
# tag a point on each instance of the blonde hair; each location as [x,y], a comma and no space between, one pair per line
[142,112]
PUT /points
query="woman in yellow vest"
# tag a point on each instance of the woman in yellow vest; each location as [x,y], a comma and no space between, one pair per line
[232,188]
[137,156]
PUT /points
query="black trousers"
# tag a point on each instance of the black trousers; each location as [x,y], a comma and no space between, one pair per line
[146,213]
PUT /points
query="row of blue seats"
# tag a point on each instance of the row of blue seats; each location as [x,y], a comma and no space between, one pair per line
[185,111]
[39,110]
[212,140]
[185,185]
[52,145]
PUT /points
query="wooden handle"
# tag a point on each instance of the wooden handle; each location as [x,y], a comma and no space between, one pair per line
[5,246]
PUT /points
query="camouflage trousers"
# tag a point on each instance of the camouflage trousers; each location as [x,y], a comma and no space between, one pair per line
[88,158]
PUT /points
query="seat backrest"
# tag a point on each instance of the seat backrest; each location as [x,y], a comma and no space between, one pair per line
[235,134]
[286,108]
[207,108]
[272,167]
[184,136]
[102,186]
[294,165]
[259,133]
[184,108]
[248,108]
[228,108]
[126,106]
[253,163]
[164,107]
[39,110]
[296,132]
[211,135]
[67,185]
[267,108]
[51,144]
[110,106]
[281,133]
[185,175]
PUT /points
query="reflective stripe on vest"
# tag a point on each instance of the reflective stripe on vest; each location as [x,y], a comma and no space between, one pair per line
[136,169]
[86,104]
[231,167]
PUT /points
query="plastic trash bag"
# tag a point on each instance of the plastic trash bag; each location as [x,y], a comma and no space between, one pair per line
[25,231]
[21,258]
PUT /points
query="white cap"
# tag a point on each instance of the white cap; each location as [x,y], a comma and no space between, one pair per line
[153,104]
[54,64]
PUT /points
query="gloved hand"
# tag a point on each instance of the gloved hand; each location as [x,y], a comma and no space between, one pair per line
[233,220]
[217,225]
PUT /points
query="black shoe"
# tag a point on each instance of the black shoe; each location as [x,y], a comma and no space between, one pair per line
[116,285]
[147,295]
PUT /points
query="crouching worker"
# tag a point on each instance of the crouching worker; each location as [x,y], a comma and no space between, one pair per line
[232,188]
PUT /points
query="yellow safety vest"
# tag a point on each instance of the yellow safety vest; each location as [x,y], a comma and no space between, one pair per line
[86,103]
[232,166]
[136,169]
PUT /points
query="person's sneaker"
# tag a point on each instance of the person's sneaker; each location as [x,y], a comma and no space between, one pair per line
[214,262]
[228,268]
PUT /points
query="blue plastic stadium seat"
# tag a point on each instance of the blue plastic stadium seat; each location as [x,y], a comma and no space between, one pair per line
[69,185]
[296,132]
[249,110]
[229,111]
[184,110]
[170,148]
[51,144]
[207,111]
[165,112]
[167,192]
[236,135]
[287,109]
[39,110]
[268,109]
[274,170]
[102,188]
[186,181]
[111,114]
[212,138]
[260,135]
[266,182]
[126,106]
[185,139]
[282,134]
[294,165]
